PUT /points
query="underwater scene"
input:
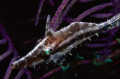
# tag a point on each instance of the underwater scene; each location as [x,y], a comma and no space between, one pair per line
[60,39]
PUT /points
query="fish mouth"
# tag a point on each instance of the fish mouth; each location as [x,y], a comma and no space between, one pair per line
[27,62]
[18,64]
[13,66]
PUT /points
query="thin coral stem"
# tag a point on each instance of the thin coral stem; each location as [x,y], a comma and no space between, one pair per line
[8,40]
[10,49]
[86,0]
[91,10]
[114,54]
[9,69]
[60,68]
[83,62]
[39,11]
[103,15]
[68,19]
[96,45]
[20,73]
[112,33]
[58,13]
[105,51]
[65,12]
[5,54]
[102,39]
[102,45]
[115,63]
[51,3]
[28,73]
[116,4]
[3,41]
[51,72]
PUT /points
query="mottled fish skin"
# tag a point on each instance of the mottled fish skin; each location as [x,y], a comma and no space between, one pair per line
[56,44]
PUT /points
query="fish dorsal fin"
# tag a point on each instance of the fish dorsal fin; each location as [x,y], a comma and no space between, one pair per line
[50,33]
[47,24]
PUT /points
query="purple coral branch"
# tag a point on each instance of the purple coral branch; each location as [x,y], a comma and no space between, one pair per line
[112,33]
[51,3]
[60,68]
[116,53]
[108,39]
[28,73]
[91,10]
[5,54]
[86,0]
[39,11]
[103,15]
[96,45]
[83,62]
[10,49]
[115,63]
[102,39]
[116,4]
[8,40]
[68,19]
[9,69]
[102,45]
[106,58]
[65,12]
[20,73]
[106,51]
[51,72]
[58,13]
[3,41]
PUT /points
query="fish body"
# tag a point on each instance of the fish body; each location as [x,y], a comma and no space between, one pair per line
[57,44]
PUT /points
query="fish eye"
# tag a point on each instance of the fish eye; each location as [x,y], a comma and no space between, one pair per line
[47,50]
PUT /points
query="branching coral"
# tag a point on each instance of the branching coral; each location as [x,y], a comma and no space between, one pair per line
[98,58]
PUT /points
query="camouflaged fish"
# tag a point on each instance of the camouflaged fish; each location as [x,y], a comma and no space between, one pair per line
[57,44]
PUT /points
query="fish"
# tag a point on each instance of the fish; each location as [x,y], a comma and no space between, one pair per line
[56,44]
